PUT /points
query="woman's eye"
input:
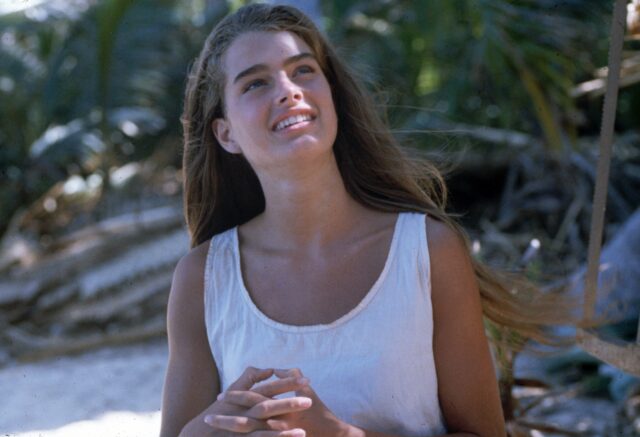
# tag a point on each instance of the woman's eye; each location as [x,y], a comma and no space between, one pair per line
[253,85]
[303,69]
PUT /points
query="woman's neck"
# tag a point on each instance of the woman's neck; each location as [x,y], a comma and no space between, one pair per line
[307,210]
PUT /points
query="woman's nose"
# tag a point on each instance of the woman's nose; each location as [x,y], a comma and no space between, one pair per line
[288,91]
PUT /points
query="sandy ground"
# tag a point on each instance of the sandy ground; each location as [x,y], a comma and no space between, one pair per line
[116,392]
[113,392]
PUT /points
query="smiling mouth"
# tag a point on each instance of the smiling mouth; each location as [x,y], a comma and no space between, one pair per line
[293,120]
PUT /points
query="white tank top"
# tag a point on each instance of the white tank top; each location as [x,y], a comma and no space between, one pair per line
[373,367]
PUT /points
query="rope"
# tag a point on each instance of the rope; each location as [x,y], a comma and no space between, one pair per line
[604,158]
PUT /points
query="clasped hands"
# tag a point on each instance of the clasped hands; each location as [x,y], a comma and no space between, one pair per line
[249,408]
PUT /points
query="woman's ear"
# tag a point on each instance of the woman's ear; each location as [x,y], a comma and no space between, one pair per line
[222,132]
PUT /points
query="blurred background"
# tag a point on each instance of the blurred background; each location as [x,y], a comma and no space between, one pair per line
[506,95]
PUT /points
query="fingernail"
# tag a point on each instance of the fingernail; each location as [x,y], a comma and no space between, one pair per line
[220,395]
[305,402]
[298,433]
[208,420]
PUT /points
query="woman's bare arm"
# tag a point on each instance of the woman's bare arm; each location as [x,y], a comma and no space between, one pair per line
[467,386]
[191,382]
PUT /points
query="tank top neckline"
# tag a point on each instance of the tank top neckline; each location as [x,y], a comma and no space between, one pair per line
[318,327]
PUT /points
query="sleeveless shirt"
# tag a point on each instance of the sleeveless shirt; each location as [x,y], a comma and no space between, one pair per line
[373,367]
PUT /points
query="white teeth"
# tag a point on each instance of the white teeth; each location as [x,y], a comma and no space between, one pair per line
[292,120]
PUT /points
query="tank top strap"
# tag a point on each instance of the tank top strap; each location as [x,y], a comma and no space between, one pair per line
[218,245]
[221,295]
[413,247]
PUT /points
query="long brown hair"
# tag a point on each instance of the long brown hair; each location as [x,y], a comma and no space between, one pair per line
[221,190]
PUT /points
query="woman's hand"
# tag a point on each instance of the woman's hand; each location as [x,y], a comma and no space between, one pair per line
[246,407]
[317,421]
[260,415]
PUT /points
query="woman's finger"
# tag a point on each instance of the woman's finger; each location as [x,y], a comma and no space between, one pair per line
[276,407]
[276,387]
[242,398]
[285,373]
[250,377]
[289,433]
[239,424]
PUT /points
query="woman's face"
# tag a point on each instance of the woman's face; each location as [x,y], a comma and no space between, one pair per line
[278,103]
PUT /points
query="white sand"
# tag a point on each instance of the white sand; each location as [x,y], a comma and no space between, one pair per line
[114,392]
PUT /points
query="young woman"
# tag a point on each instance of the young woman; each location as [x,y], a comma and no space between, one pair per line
[326,292]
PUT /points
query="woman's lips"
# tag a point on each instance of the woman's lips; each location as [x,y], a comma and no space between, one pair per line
[292,118]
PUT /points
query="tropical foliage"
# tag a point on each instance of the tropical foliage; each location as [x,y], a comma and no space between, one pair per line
[91,88]
[509,64]
[88,85]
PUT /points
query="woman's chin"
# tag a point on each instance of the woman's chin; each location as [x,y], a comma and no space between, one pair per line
[303,149]
[306,143]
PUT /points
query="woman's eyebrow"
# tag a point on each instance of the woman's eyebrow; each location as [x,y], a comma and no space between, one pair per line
[261,67]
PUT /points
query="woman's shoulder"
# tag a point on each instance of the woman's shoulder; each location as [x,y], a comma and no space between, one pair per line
[450,257]
[188,277]
[442,237]
[194,261]
[454,287]
[185,306]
